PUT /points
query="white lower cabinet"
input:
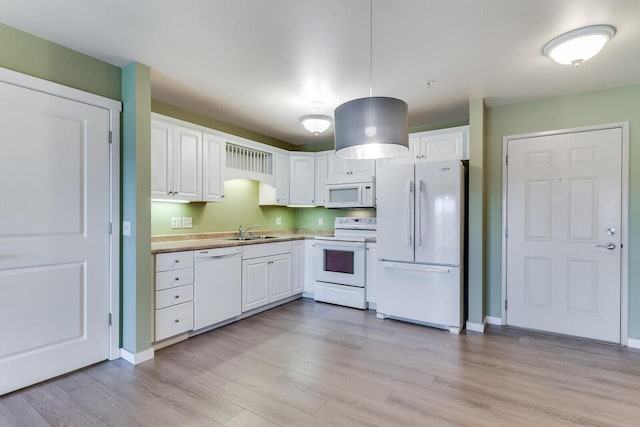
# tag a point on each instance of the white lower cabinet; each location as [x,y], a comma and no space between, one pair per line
[174,294]
[309,276]
[298,267]
[266,274]
[371,272]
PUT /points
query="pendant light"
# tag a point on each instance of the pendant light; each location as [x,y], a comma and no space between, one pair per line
[577,46]
[371,128]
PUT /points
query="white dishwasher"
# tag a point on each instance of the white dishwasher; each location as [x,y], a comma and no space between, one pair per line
[217,286]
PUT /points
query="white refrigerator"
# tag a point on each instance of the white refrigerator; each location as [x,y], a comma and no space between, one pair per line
[420,211]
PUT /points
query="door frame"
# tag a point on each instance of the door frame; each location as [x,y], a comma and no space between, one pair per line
[114,108]
[624,226]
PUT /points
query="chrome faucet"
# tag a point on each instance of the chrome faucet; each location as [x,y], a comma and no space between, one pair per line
[242,232]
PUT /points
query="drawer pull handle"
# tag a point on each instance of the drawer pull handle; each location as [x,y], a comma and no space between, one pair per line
[177,261]
[177,278]
[177,296]
[177,320]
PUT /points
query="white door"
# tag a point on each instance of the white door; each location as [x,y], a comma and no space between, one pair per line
[54,236]
[362,170]
[298,267]
[187,164]
[213,152]
[563,209]
[282,179]
[321,179]
[161,160]
[302,183]
[255,283]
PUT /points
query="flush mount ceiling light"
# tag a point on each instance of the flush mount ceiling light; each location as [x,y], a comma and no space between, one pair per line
[373,127]
[577,46]
[316,123]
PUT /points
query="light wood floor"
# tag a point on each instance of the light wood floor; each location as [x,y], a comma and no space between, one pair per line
[312,364]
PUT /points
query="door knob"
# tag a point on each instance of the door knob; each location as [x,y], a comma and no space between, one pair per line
[609,246]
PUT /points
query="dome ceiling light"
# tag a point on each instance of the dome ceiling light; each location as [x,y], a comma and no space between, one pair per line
[316,123]
[577,46]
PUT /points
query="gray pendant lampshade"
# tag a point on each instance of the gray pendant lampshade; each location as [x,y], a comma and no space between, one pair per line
[371,128]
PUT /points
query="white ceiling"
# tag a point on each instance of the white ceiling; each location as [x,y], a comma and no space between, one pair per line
[260,63]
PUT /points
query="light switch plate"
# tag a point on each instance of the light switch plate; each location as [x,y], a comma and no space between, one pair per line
[126,228]
[187,222]
[278,220]
[320,221]
[176,222]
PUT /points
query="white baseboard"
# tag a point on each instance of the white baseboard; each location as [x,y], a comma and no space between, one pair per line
[476,327]
[307,295]
[170,341]
[633,343]
[135,358]
[491,320]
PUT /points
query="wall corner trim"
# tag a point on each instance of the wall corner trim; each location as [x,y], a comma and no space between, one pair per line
[633,343]
[136,358]
[492,320]
[476,327]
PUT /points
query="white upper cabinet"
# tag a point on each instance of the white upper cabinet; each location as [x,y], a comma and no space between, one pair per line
[282,179]
[213,153]
[320,179]
[441,144]
[342,171]
[176,162]
[302,184]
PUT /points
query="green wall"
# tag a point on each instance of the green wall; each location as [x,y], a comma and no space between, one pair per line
[28,54]
[137,284]
[598,107]
[240,207]
[476,213]
[202,120]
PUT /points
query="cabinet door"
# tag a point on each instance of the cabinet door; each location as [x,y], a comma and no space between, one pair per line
[321,179]
[187,164]
[298,267]
[337,169]
[282,179]
[161,160]
[255,283]
[410,157]
[302,185]
[442,146]
[309,276]
[213,152]
[362,170]
[372,279]
[280,276]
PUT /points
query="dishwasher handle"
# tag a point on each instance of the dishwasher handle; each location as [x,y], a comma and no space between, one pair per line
[217,253]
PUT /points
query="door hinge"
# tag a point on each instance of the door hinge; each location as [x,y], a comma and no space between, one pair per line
[110,319]
[506,232]
[506,304]
[506,160]
[110,228]
[110,137]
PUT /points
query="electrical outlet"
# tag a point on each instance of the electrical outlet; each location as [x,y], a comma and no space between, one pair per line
[278,220]
[187,222]
[126,228]
[176,222]
[320,221]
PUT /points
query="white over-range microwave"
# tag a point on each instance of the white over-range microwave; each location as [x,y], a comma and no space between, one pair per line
[356,195]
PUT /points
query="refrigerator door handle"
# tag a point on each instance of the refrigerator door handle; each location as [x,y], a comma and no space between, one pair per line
[415,267]
[419,213]
[409,212]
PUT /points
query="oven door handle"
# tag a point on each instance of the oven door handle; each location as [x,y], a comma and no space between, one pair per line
[332,243]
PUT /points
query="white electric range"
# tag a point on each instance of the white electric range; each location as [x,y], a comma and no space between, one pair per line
[340,262]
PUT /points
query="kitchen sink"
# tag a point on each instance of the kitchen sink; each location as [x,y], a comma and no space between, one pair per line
[252,238]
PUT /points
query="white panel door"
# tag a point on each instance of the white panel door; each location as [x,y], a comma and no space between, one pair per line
[395,211]
[302,184]
[439,207]
[213,152]
[362,170]
[320,179]
[161,160]
[255,283]
[280,276]
[282,179]
[442,146]
[298,267]
[54,238]
[337,169]
[564,207]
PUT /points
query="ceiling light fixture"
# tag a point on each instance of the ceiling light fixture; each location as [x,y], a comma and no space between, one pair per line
[316,123]
[373,127]
[577,46]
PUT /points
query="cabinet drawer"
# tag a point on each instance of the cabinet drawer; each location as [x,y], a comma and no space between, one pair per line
[174,320]
[173,296]
[174,261]
[265,249]
[172,279]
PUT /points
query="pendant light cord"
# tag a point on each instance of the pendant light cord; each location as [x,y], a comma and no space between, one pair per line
[370,48]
